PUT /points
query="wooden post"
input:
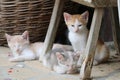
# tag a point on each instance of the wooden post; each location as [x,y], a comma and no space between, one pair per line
[86,67]
[115,28]
[118,1]
[51,33]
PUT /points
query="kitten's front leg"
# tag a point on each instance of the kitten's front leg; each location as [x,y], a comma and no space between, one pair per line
[21,58]
[81,59]
[16,59]
[59,69]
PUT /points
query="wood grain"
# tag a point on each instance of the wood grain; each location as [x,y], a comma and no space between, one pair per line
[51,33]
[85,71]
[97,3]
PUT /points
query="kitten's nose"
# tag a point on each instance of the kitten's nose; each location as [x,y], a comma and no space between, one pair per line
[76,29]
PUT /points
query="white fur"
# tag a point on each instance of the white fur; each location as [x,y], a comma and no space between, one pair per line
[78,39]
[33,51]
[78,36]
[22,50]
[60,69]
[53,62]
[26,55]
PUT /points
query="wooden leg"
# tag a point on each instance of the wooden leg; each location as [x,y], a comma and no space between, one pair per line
[51,33]
[86,67]
[115,28]
[118,1]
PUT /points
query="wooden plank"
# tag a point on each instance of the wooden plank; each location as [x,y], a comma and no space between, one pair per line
[86,3]
[86,67]
[118,2]
[115,28]
[51,33]
[97,3]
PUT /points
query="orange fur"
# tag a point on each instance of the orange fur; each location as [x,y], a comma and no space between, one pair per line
[78,35]
[22,49]
[74,17]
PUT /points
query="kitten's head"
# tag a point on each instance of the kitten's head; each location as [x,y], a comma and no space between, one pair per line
[68,61]
[18,42]
[76,23]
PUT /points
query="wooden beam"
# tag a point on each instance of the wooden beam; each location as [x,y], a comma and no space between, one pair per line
[86,3]
[115,28]
[118,2]
[97,3]
[51,33]
[86,67]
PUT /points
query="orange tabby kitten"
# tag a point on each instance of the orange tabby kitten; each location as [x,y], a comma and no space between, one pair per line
[78,35]
[22,49]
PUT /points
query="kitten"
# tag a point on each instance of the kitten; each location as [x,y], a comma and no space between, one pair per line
[22,50]
[78,35]
[61,61]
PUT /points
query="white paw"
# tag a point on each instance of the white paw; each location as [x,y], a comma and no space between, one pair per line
[14,59]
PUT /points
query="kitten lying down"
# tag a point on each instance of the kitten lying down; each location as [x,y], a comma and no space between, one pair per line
[22,50]
[60,59]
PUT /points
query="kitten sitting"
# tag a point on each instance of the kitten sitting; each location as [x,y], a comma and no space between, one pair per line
[22,50]
[78,36]
[61,61]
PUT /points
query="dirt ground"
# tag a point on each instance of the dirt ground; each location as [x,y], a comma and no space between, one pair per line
[34,70]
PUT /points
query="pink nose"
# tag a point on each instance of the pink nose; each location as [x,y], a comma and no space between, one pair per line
[76,29]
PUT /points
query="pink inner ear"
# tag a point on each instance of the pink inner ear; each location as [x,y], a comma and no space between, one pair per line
[8,37]
[67,16]
[85,15]
[25,35]
[59,56]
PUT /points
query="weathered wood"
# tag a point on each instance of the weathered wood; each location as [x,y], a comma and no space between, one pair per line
[86,67]
[118,2]
[51,33]
[115,28]
[97,3]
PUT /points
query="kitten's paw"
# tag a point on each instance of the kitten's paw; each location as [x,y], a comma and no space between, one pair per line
[15,59]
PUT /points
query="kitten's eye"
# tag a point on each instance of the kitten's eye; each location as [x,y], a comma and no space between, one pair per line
[72,25]
[79,25]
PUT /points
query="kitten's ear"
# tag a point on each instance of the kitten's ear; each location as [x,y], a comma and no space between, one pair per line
[85,16]
[59,56]
[25,35]
[67,16]
[8,37]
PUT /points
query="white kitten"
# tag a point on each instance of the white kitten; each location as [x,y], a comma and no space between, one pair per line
[78,35]
[22,50]
[61,61]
